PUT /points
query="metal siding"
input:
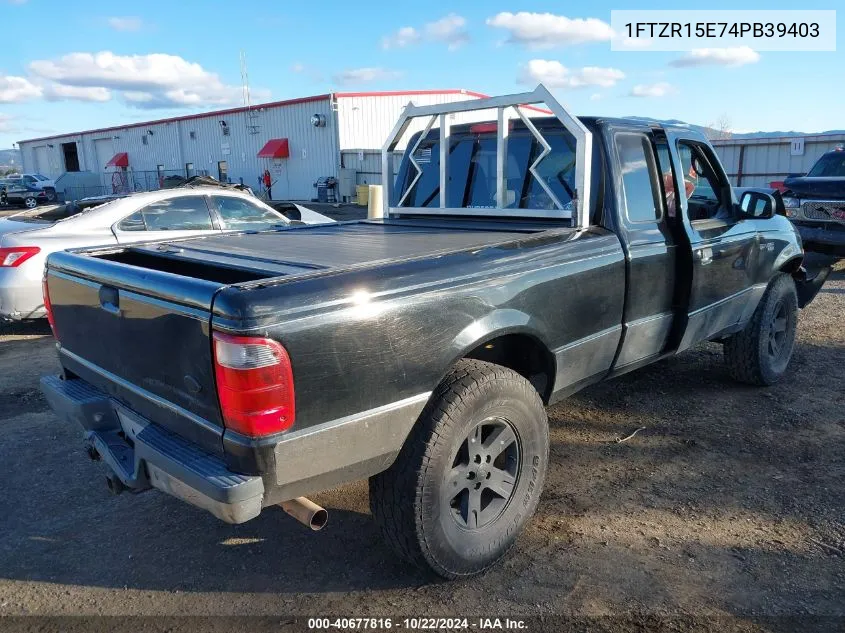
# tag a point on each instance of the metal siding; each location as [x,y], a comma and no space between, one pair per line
[170,145]
[365,122]
[769,159]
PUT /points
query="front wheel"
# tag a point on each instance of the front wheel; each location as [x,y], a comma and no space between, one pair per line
[760,354]
[470,474]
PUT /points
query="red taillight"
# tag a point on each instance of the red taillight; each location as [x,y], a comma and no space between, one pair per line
[17,255]
[254,384]
[48,306]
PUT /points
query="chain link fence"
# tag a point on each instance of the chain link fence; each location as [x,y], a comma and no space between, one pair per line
[125,182]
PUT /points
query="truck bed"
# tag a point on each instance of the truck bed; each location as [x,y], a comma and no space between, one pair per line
[313,248]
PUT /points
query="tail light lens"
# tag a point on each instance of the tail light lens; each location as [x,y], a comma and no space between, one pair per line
[254,384]
[16,255]
[48,306]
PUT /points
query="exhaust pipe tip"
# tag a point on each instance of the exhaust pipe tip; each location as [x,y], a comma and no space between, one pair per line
[319,520]
[306,512]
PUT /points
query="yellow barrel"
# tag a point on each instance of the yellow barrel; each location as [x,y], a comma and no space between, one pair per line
[363,192]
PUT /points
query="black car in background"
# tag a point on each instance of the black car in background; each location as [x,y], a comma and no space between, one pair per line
[17,194]
[816,204]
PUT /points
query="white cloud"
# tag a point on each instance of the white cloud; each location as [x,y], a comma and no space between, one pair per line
[555,75]
[450,30]
[125,23]
[17,89]
[365,75]
[737,56]
[596,96]
[405,36]
[547,30]
[660,89]
[60,92]
[157,80]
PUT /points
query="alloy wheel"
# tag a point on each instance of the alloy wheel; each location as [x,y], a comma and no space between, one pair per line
[483,476]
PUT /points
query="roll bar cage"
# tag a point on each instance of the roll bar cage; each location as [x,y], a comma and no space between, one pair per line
[440,113]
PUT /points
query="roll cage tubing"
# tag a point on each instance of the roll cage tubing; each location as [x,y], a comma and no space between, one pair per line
[439,113]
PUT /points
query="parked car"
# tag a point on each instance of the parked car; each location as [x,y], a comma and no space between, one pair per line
[816,204]
[27,239]
[15,194]
[238,372]
[36,181]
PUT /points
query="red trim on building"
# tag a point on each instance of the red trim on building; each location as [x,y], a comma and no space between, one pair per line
[121,159]
[410,93]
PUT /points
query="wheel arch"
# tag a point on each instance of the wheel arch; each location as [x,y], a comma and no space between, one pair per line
[509,338]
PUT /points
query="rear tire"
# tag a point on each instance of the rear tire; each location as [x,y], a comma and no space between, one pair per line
[30,202]
[51,194]
[469,475]
[760,354]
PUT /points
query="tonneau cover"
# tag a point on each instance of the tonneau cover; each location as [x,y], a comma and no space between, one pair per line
[320,247]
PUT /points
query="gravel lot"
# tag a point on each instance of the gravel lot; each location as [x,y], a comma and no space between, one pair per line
[730,503]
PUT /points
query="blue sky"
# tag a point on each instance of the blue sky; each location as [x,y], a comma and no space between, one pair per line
[82,64]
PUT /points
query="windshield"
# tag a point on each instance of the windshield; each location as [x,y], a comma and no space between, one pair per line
[472,172]
[829,166]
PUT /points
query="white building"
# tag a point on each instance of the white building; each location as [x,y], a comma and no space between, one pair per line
[297,140]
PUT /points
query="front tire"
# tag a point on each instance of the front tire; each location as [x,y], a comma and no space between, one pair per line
[760,354]
[469,475]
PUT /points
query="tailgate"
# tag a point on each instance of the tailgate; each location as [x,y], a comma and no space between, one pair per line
[142,336]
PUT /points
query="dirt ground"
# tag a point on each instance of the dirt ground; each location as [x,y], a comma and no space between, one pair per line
[729,503]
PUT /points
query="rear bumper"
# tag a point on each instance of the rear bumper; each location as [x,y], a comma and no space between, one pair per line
[142,455]
[20,302]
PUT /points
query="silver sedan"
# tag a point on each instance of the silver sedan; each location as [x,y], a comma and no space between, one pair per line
[27,238]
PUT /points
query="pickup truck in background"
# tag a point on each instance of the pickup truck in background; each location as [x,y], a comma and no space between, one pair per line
[816,204]
[519,261]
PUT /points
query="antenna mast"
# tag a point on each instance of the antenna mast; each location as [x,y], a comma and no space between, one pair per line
[251,116]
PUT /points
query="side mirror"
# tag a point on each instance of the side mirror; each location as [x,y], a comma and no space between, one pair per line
[758,205]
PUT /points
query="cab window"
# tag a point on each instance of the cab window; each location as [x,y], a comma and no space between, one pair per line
[472,172]
[639,178]
[706,194]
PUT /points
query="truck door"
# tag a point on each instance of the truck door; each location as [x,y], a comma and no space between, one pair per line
[721,287]
[650,246]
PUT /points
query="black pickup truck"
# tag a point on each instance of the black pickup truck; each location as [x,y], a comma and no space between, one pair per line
[815,203]
[521,260]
